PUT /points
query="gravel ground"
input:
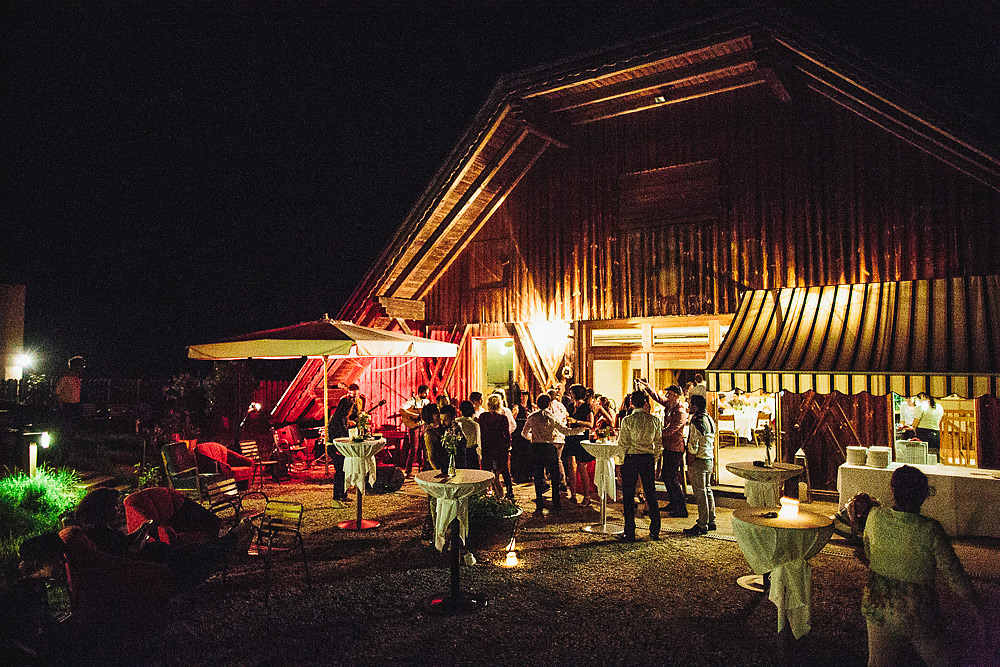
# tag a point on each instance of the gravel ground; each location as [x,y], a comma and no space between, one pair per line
[575,599]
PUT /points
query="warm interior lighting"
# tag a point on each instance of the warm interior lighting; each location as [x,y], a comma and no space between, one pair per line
[511,555]
[789,508]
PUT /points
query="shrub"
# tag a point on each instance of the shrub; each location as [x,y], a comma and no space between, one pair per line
[31,506]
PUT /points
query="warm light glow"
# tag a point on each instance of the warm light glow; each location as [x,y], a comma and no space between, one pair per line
[45,440]
[24,360]
[511,555]
[789,508]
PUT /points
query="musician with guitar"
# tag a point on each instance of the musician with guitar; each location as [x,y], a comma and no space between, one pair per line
[410,414]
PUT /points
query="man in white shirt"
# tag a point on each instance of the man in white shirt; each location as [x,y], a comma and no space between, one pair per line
[558,412]
[541,430]
[476,398]
[699,388]
[640,437]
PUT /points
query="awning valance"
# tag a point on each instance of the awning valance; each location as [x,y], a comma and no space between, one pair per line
[939,336]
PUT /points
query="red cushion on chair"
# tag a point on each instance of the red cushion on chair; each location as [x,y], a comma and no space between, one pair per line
[230,463]
[179,519]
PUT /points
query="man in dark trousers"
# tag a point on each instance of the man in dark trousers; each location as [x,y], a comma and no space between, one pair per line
[639,438]
[674,419]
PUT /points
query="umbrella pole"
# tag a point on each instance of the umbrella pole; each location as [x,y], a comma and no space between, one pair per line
[326,420]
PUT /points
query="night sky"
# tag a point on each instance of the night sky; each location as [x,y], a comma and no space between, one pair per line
[175,172]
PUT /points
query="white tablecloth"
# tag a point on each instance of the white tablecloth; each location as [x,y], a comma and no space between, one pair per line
[745,421]
[604,468]
[359,461]
[783,551]
[763,487]
[451,499]
[966,501]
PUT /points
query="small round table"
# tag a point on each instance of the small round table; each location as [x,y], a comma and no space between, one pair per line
[763,484]
[359,468]
[781,546]
[451,511]
[604,480]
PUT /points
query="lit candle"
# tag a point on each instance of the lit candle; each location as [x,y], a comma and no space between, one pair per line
[789,508]
[511,555]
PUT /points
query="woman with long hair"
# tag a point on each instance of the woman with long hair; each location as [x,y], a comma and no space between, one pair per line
[575,458]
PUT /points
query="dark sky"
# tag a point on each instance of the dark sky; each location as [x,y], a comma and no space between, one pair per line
[177,172]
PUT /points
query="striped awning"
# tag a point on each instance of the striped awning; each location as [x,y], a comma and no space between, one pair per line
[939,336]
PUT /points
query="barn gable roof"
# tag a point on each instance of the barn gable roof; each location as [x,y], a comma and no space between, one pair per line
[530,112]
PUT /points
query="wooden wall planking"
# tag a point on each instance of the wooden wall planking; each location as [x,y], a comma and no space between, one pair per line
[810,194]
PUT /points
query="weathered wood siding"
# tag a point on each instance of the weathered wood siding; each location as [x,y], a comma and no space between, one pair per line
[810,194]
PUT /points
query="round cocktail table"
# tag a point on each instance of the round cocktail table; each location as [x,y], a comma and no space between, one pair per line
[604,480]
[781,545]
[763,484]
[451,502]
[359,469]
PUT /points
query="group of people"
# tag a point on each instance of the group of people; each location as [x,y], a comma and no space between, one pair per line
[479,432]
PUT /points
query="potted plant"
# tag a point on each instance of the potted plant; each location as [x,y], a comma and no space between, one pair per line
[492,522]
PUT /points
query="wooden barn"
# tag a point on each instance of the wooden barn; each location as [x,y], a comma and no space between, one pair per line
[602,217]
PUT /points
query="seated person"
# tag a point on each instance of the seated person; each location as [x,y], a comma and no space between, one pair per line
[101,516]
[850,521]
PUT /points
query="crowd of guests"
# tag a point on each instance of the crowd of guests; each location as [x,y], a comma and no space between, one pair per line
[556,424]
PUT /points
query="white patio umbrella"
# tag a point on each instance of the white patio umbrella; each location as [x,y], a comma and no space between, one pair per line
[324,339]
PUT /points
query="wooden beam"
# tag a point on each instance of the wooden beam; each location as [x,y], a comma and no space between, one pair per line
[477,224]
[470,196]
[692,93]
[411,247]
[726,66]
[454,363]
[706,53]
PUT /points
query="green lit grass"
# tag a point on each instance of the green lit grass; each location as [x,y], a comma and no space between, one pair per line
[31,506]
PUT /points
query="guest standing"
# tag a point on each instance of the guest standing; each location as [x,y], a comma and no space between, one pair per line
[927,422]
[700,455]
[640,439]
[542,430]
[674,420]
[495,436]
[436,454]
[906,550]
[574,457]
[340,422]
[472,432]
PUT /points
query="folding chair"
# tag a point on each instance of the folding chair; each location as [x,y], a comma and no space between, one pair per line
[727,430]
[280,530]
[250,450]
[224,498]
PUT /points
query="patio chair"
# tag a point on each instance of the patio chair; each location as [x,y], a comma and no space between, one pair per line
[280,530]
[217,458]
[106,591]
[226,502]
[182,469]
[288,440]
[763,421]
[251,451]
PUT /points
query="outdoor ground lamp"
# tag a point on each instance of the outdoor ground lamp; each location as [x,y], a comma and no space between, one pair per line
[37,438]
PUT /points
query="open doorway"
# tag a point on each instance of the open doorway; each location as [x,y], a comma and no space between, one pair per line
[496,367]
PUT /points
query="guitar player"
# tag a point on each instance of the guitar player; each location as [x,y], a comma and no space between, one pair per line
[410,412]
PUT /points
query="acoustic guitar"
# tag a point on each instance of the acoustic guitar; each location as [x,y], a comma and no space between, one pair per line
[411,418]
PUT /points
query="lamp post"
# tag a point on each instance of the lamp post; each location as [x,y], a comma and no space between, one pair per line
[38,438]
